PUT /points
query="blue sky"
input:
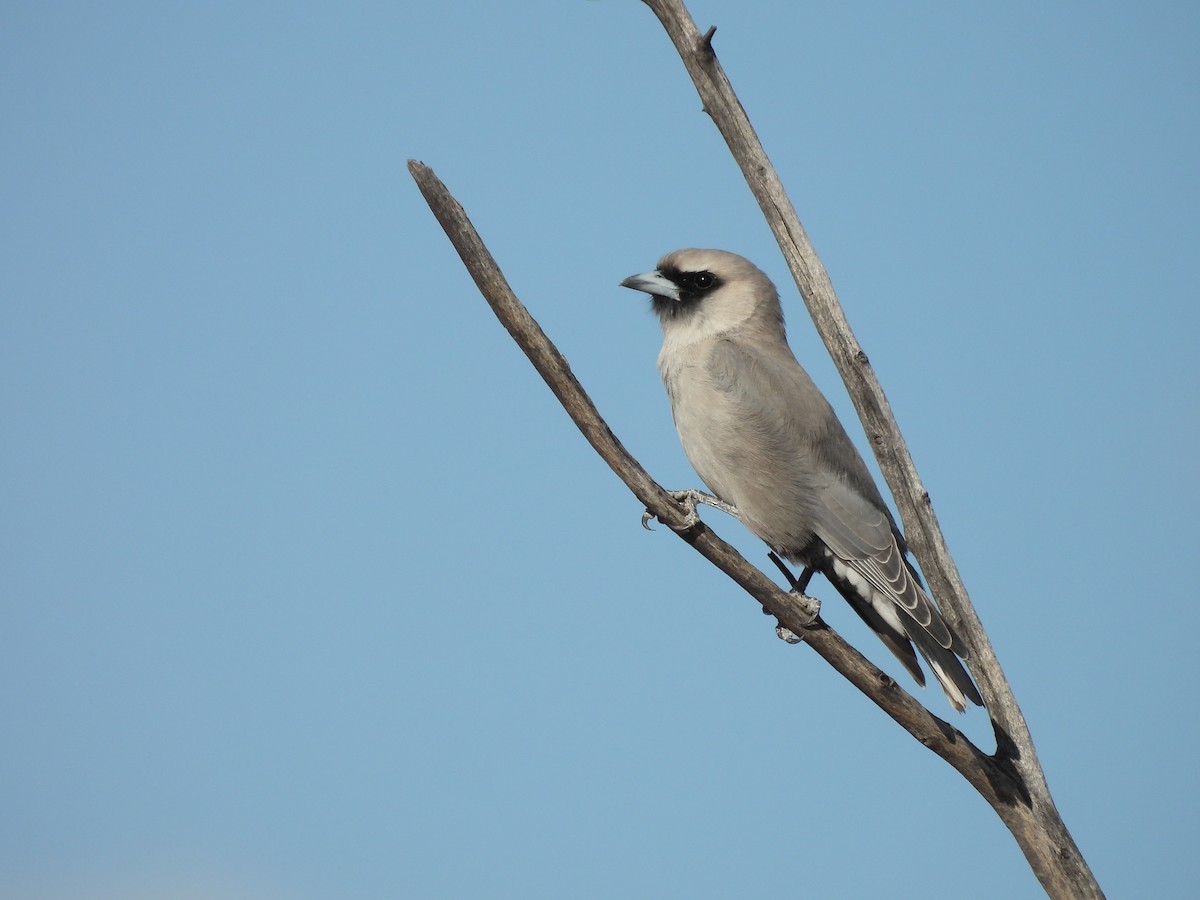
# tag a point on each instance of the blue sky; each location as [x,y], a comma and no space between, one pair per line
[310,587]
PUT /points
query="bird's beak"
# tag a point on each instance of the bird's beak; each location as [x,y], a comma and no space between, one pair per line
[653,283]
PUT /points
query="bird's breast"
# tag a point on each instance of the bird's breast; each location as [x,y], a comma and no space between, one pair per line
[744,452]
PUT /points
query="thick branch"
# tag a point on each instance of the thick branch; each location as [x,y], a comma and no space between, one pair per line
[1056,860]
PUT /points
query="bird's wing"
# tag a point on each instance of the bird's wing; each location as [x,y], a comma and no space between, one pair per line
[786,428]
[860,534]
[852,526]
[785,417]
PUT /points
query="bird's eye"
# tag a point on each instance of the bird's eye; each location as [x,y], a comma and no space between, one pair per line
[702,281]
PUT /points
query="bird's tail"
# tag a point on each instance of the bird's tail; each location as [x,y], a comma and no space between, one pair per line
[947,668]
[896,627]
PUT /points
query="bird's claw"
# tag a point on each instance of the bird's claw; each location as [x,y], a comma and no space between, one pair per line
[809,606]
[787,635]
[690,519]
[688,500]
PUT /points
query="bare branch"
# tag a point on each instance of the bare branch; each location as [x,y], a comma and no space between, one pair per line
[994,779]
[1039,831]
[1056,860]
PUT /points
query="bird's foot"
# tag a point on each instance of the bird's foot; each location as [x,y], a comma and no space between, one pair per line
[688,500]
[809,607]
[806,609]
[786,634]
[798,585]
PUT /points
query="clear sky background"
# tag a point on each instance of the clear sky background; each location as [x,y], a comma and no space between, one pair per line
[310,588]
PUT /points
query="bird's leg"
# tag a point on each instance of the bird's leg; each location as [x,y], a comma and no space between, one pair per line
[798,587]
[688,500]
[694,496]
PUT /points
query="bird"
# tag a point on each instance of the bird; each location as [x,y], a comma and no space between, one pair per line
[764,439]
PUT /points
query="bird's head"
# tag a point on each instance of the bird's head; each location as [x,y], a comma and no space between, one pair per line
[707,292]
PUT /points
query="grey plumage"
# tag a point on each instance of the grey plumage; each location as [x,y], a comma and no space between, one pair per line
[763,438]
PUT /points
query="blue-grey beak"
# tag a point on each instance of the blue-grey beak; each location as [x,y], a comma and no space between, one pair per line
[653,283]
